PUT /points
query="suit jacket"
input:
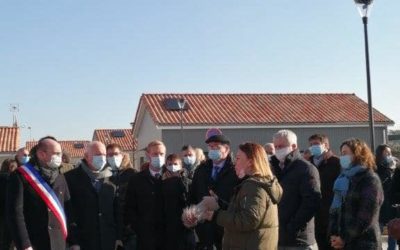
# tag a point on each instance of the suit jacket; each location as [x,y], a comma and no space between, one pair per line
[30,221]
[210,233]
[144,212]
[95,213]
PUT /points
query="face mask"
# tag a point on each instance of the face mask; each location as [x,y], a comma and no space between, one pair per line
[345,161]
[157,161]
[316,150]
[55,161]
[189,160]
[281,154]
[25,159]
[174,167]
[214,154]
[98,162]
[389,159]
[115,161]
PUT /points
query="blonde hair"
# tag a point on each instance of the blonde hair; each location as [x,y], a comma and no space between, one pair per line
[126,162]
[259,159]
[200,157]
[153,144]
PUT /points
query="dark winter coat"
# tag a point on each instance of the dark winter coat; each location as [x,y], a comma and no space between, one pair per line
[175,196]
[30,221]
[357,222]
[329,169]
[121,180]
[5,238]
[144,212]
[251,220]
[300,202]
[95,213]
[386,175]
[208,232]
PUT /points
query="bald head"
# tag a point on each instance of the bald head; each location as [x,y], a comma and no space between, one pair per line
[95,150]
[46,148]
[22,156]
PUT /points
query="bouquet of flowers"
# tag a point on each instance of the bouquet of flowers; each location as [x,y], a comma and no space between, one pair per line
[194,214]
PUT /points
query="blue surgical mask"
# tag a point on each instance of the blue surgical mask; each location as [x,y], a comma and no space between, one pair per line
[189,160]
[157,161]
[316,150]
[24,160]
[345,161]
[214,154]
[389,159]
[98,162]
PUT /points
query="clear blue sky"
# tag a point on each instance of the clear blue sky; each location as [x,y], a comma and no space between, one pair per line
[73,66]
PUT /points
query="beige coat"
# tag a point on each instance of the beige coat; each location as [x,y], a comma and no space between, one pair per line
[251,221]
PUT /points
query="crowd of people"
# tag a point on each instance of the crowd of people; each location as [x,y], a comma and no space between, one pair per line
[263,197]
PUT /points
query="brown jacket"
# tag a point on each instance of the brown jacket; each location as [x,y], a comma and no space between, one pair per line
[251,221]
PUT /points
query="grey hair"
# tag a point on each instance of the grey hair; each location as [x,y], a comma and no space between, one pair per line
[289,135]
[89,148]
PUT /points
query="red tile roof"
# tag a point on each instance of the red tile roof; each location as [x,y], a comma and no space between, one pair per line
[123,137]
[9,139]
[261,109]
[75,149]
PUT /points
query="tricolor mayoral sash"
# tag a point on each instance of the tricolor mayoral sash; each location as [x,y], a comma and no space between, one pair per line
[46,193]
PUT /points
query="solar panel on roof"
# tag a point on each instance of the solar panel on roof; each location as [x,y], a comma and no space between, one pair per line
[117,133]
[79,145]
[174,104]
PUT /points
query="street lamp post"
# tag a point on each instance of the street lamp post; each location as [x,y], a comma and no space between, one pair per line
[181,104]
[364,7]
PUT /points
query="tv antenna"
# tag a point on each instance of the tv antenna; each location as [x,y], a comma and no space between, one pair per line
[14,109]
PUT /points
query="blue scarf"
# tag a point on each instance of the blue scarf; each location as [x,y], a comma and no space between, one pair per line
[341,185]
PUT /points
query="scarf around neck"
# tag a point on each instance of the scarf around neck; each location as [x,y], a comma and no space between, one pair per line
[341,185]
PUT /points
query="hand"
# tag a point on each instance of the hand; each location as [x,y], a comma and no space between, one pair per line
[208,215]
[189,217]
[75,247]
[210,203]
[118,244]
[167,175]
[337,242]
[28,248]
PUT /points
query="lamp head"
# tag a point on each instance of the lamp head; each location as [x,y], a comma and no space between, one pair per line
[364,7]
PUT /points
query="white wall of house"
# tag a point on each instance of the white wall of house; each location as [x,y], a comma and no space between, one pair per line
[147,132]
[4,156]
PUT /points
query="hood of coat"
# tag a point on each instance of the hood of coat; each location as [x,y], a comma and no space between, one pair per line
[270,185]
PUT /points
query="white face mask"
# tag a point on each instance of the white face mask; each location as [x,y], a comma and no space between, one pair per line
[281,154]
[98,162]
[115,161]
[55,161]
[189,160]
[174,167]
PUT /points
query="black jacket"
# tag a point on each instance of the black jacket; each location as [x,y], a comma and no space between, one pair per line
[300,202]
[5,238]
[29,220]
[329,169]
[386,175]
[210,233]
[144,211]
[175,195]
[95,214]
[121,180]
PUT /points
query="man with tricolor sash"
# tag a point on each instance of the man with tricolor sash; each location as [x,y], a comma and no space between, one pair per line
[37,193]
